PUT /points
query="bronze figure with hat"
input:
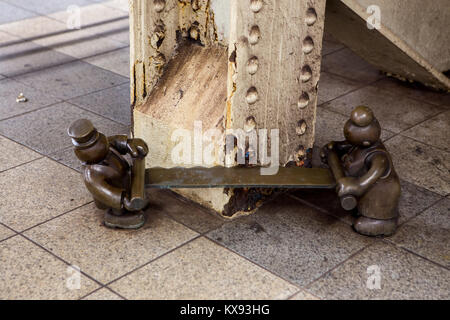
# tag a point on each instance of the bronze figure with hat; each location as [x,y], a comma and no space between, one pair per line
[115,184]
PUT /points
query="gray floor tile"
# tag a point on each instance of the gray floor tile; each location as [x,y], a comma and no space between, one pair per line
[403,276]
[118,4]
[332,86]
[68,158]
[13,154]
[202,270]
[47,6]
[291,239]
[414,91]
[10,13]
[56,35]
[413,201]
[101,20]
[80,238]
[38,191]
[428,234]
[18,56]
[27,272]
[72,80]
[395,113]
[347,64]
[116,61]
[10,90]
[45,130]
[434,131]
[420,164]
[112,103]
[183,210]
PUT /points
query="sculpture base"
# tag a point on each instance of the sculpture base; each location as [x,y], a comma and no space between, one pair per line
[129,220]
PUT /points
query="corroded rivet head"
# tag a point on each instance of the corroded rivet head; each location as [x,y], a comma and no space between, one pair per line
[252,95]
[159,5]
[252,65]
[303,101]
[308,45]
[194,33]
[82,132]
[306,74]
[250,124]
[311,16]
[362,116]
[256,5]
[255,35]
[301,127]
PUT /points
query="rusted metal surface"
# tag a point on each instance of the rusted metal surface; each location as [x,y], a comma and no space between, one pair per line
[238,177]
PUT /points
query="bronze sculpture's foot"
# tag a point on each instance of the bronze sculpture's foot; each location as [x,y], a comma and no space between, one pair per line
[375,227]
[129,220]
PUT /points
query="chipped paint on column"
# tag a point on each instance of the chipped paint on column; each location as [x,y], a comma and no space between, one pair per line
[275,54]
[155,25]
[153,40]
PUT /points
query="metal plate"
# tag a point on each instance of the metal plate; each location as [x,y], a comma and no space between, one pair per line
[238,177]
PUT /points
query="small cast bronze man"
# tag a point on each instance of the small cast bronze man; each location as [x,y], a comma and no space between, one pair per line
[368,174]
[116,185]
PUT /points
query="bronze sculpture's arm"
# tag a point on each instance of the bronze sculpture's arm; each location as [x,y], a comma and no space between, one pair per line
[136,147]
[339,147]
[119,142]
[96,182]
[358,186]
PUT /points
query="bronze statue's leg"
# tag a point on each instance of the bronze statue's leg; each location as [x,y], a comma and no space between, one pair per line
[129,220]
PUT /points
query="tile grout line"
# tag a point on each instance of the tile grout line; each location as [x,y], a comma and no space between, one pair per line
[390,242]
[75,59]
[417,124]
[71,103]
[61,259]
[198,236]
[287,280]
[308,286]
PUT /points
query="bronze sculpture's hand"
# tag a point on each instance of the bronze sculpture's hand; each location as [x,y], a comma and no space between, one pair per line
[348,186]
[137,148]
[325,150]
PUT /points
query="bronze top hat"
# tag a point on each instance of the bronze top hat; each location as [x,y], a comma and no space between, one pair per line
[83,133]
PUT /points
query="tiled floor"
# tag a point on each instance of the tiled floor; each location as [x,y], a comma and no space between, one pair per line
[298,246]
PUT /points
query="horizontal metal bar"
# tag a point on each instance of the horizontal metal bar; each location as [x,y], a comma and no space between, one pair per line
[238,177]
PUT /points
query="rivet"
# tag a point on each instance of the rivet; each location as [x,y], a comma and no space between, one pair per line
[159,5]
[255,35]
[301,127]
[306,74]
[194,33]
[252,65]
[303,101]
[308,45]
[252,95]
[311,16]
[256,5]
[250,124]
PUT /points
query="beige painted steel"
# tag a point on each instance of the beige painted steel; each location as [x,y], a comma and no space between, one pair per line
[413,41]
[271,47]
[275,57]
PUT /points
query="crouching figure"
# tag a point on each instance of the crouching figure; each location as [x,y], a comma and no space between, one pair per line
[116,184]
[369,175]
